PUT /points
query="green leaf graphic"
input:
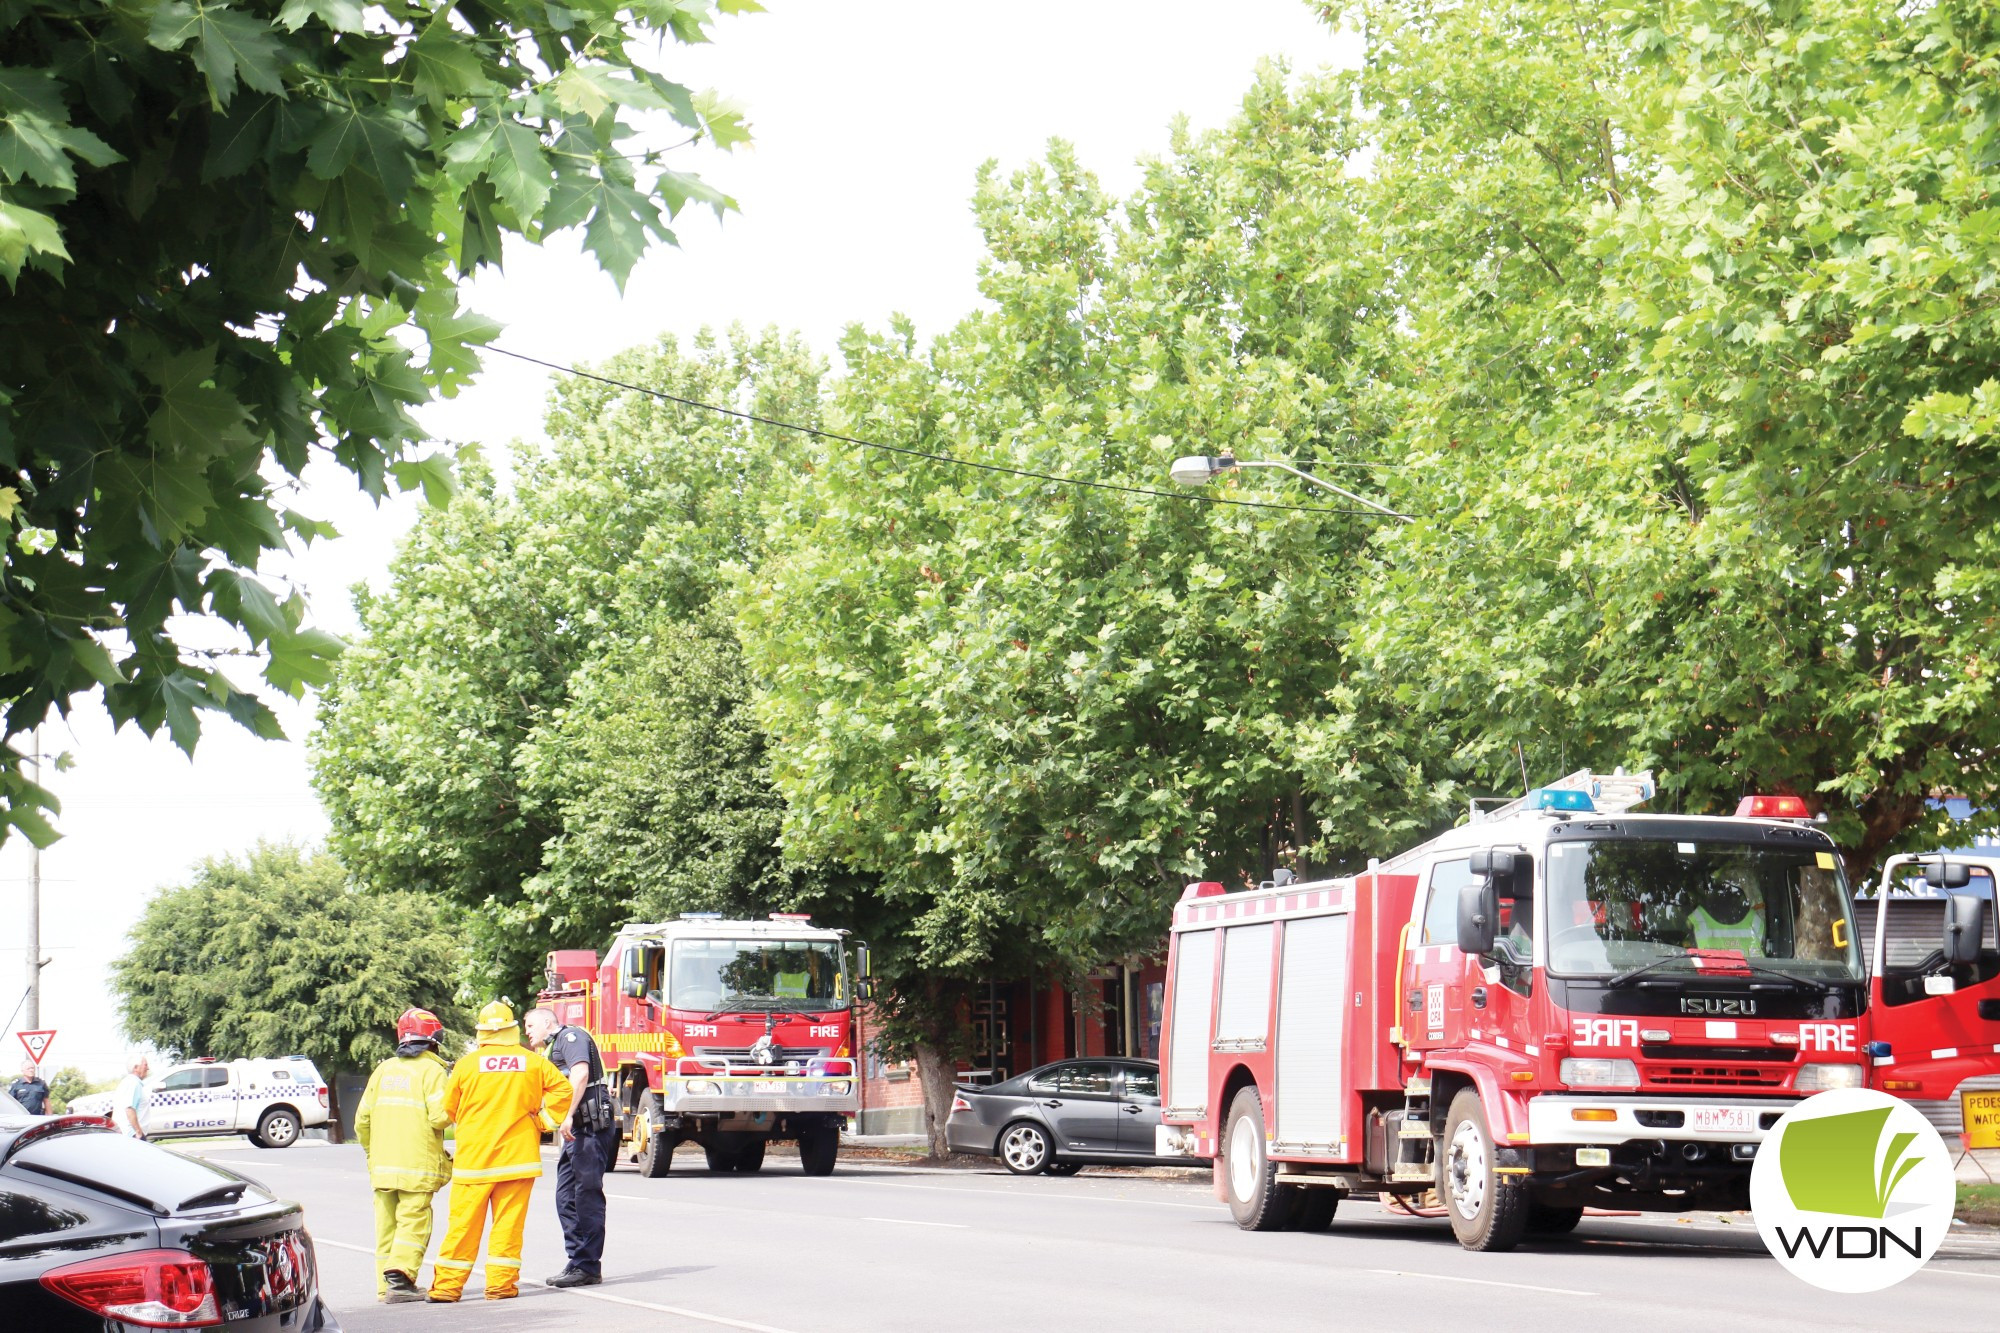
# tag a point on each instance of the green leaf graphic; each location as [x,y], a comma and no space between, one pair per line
[1829,1163]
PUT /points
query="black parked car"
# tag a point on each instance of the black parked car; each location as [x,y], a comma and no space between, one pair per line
[100,1233]
[1063,1117]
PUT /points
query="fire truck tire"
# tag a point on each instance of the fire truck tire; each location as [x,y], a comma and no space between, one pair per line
[818,1147]
[656,1151]
[1315,1211]
[1549,1220]
[737,1152]
[1256,1199]
[1488,1210]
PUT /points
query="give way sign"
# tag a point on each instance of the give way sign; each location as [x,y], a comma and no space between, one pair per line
[38,1043]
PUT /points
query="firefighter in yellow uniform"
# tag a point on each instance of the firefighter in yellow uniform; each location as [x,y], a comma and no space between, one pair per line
[504,1098]
[401,1127]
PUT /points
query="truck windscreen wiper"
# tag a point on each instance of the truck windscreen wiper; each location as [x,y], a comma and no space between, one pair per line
[1755,969]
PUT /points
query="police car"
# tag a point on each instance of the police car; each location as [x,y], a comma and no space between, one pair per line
[272,1101]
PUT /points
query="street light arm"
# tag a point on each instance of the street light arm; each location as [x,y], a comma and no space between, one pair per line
[1323,484]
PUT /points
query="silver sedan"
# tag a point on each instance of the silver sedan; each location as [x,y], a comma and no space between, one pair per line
[1063,1117]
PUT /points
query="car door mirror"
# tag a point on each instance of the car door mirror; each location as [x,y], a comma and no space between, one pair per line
[1478,917]
[1964,928]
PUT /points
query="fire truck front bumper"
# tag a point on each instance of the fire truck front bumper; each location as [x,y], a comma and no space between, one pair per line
[708,1092]
[1608,1121]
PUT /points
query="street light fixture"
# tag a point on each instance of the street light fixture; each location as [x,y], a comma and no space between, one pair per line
[1197,470]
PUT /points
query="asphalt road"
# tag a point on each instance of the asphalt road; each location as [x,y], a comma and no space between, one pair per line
[881,1247]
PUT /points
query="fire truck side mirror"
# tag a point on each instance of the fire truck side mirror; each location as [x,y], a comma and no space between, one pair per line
[1942,874]
[632,974]
[1964,928]
[1478,917]
[1489,861]
[864,974]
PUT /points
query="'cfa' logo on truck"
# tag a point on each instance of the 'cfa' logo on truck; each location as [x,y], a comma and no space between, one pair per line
[1852,1190]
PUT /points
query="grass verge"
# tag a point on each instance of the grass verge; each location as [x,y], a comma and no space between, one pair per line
[1979,1203]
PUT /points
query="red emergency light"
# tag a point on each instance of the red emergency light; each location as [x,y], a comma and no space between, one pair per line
[1772,807]
[1207,888]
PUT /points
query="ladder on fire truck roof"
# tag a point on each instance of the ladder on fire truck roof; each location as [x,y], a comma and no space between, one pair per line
[1611,793]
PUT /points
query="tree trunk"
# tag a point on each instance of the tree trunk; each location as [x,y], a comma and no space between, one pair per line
[935,1071]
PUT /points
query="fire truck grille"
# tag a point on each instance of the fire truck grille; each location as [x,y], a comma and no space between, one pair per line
[741,1054]
[1736,1076]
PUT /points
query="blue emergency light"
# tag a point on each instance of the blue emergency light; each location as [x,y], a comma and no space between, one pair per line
[1564,799]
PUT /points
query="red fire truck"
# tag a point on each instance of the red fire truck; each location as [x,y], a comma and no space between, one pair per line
[730,1034]
[1559,1004]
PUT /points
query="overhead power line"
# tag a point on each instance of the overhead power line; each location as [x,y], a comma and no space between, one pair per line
[1190,497]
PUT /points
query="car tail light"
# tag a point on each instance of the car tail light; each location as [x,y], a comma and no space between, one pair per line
[960,1104]
[322,1096]
[150,1288]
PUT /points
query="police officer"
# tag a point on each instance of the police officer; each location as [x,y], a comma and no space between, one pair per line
[504,1098]
[589,1143]
[401,1127]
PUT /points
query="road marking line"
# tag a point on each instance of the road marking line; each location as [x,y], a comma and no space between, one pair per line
[912,1222]
[1958,1272]
[684,1313]
[1482,1282]
[723,1320]
[1013,1194]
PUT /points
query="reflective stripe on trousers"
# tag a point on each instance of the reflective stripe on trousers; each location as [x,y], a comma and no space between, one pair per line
[507,1200]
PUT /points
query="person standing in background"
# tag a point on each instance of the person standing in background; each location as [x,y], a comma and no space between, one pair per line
[400,1125]
[589,1137]
[30,1091]
[130,1099]
[504,1098]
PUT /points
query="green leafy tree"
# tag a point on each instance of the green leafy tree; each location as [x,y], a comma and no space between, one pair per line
[65,1086]
[1034,711]
[275,953]
[232,233]
[1697,347]
[544,718]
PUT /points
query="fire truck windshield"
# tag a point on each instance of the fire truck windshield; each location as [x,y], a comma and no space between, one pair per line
[756,975]
[1614,905]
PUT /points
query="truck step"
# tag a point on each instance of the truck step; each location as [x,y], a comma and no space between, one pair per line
[1419,1130]
[1417,1087]
[1408,1175]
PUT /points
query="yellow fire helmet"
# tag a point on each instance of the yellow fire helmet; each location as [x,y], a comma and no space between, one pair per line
[497,1016]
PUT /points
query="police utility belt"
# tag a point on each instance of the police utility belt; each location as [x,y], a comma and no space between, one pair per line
[594,1113]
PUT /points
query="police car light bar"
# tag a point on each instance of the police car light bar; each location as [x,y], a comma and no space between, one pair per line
[701,916]
[791,916]
[1772,807]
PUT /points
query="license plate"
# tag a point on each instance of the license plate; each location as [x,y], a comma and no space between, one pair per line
[1722,1119]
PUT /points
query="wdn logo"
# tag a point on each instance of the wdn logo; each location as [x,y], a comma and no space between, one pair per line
[1852,1190]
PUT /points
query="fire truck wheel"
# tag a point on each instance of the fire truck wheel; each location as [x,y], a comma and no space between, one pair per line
[1488,1211]
[654,1151]
[1550,1220]
[1025,1149]
[1256,1199]
[818,1147]
[1315,1212]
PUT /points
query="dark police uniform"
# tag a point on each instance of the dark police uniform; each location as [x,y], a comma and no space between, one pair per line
[32,1093]
[584,1159]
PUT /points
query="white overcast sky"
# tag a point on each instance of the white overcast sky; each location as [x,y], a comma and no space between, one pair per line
[870,119]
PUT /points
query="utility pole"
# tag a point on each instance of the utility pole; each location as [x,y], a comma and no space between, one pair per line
[35,906]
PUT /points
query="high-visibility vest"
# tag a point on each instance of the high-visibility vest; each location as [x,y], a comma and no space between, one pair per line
[1745,937]
[791,985]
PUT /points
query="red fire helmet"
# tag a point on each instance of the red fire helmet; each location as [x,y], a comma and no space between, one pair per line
[417,1025]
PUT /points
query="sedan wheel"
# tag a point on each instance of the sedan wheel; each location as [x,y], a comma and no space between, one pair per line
[1024,1148]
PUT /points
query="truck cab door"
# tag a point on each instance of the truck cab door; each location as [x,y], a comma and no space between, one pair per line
[1435,972]
[1936,1037]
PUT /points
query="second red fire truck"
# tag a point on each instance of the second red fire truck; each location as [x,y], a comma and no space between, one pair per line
[729,1034]
[1560,1004]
